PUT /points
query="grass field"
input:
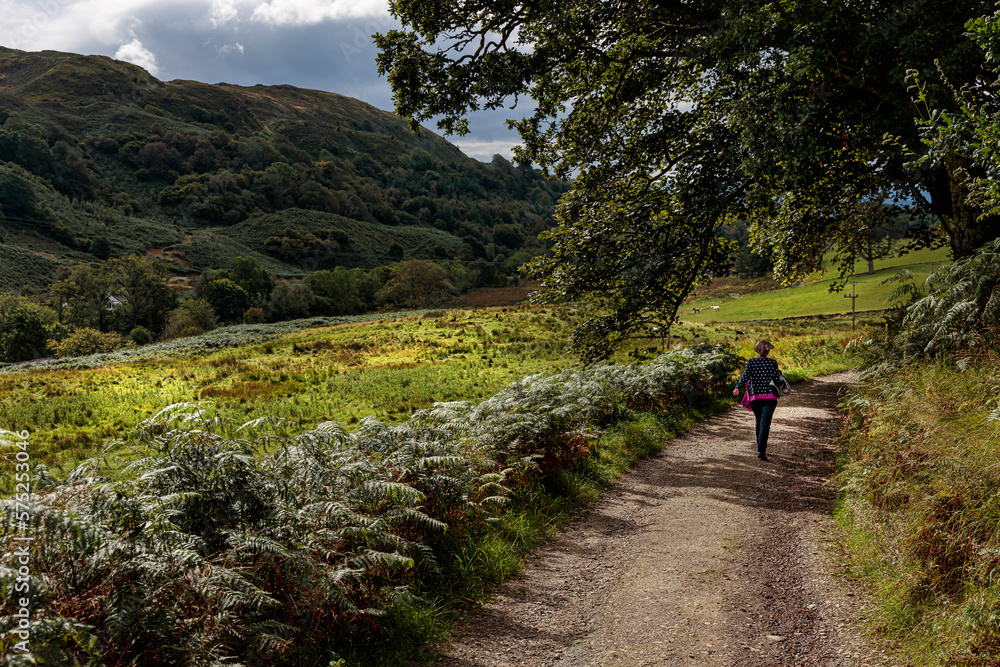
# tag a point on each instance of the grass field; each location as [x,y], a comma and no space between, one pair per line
[384,369]
[813,296]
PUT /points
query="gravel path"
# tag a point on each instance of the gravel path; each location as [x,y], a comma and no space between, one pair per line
[703,555]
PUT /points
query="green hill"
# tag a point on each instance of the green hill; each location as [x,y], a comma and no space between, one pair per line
[98,158]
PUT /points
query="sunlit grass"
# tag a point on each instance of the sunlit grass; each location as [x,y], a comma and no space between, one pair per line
[813,296]
[384,369]
[920,509]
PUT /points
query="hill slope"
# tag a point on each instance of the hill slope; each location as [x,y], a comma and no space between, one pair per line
[99,158]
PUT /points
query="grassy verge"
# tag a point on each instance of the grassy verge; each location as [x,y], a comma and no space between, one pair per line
[920,506]
[327,545]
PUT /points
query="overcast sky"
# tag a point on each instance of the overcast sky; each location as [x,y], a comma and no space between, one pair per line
[322,44]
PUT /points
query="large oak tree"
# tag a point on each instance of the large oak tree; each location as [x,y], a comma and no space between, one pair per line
[677,116]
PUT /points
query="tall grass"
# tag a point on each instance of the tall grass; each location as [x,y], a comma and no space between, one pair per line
[921,505]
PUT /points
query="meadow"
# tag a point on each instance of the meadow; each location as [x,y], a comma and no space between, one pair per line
[385,368]
[811,297]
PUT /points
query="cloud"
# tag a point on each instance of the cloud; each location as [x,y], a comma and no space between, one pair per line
[226,49]
[68,24]
[222,12]
[311,12]
[484,150]
[137,54]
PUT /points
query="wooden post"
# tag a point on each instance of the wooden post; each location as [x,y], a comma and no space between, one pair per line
[853,297]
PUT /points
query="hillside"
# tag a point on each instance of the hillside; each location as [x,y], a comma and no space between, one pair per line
[98,158]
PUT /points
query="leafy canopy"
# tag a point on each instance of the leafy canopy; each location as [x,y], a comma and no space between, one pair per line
[677,117]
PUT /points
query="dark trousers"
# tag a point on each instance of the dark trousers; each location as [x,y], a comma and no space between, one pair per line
[763,410]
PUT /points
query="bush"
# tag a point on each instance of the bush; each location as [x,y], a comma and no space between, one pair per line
[229,300]
[141,336]
[192,318]
[304,545]
[22,335]
[89,341]
[253,316]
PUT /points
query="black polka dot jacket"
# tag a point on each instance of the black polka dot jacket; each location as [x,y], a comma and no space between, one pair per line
[759,373]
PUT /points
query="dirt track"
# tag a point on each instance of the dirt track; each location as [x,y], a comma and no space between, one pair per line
[703,555]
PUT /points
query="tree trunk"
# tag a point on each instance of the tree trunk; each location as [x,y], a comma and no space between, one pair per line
[968,228]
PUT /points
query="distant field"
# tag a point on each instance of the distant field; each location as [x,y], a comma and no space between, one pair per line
[814,297]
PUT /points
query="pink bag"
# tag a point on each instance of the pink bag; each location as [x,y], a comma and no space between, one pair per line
[745,401]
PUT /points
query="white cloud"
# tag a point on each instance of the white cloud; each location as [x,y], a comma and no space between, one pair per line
[311,12]
[75,25]
[227,49]
[66,24]
[137,54]
[222,12]
[484,150]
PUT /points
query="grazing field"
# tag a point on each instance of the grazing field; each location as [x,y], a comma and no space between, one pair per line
[811,297]
[385,369]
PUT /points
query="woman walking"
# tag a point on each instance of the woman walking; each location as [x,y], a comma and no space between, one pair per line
[757,376]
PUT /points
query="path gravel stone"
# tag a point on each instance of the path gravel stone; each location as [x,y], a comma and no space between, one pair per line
[702,555]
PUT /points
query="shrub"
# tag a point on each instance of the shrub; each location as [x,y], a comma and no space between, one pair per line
[89,341]
[22,335]
[224,543]
[192,318]
[141,336]
[253,316]
[229,300]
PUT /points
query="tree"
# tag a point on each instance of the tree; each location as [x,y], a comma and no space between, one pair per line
[229,300]
[192,317]
[252,277]
[23,335]
[414,284]
[967,136]
[290,301]
[17,198]
[147,295]
[339,288]
[679,117]
[82,297]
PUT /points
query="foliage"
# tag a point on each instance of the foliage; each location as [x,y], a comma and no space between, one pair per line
[85,341]
[919,485]
[414,284]
[229,300]
[23,335]
[678,119]
[254,316]
[192,318]
[291,301]
[248,274]
[962,310]
[147,298]
[141,336]
[959,312]
[294,547]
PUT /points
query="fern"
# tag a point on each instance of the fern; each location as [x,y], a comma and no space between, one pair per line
[962,310]
[221,542]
